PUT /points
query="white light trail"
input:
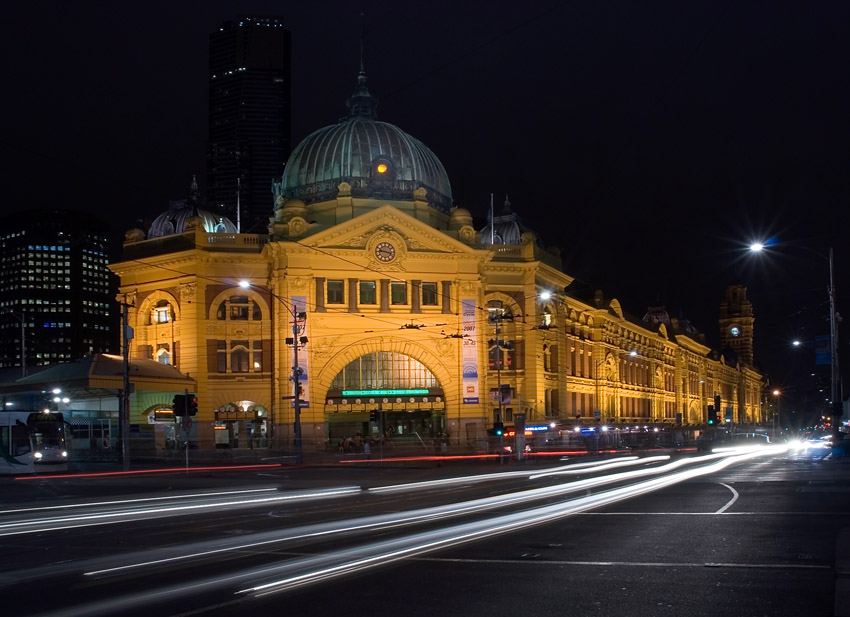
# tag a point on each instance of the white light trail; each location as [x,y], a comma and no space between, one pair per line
[308,570]
[89,504]
[110,518]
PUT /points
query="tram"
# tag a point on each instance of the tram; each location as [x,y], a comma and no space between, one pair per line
[32,442]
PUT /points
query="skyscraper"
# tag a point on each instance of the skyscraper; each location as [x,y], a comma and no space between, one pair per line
[55,288]
[249,126]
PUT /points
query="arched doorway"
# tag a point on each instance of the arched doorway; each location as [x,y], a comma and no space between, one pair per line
[385,395]
[241,424]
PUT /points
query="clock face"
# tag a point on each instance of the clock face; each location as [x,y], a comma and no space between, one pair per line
[734,331]
[385,251]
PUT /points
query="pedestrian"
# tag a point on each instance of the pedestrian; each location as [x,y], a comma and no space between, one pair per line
[367,450]
[444,447]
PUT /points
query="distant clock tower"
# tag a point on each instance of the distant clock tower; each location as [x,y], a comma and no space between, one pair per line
[736,323]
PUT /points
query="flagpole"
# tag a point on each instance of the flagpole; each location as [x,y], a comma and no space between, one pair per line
[492,222]
[238,205]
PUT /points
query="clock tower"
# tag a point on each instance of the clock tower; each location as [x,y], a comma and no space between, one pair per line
[736,323]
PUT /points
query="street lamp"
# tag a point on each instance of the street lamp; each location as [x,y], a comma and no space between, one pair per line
[835,389]
[299,319]
[777,394]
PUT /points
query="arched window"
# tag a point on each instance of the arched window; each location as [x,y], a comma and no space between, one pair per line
[239,357]
[239,308]
[163,356]
[161,312]
[245,352]
[384,369]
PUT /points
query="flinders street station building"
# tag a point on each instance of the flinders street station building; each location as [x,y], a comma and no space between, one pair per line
[373,306]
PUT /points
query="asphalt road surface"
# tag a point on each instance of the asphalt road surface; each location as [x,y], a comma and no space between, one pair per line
[725,534]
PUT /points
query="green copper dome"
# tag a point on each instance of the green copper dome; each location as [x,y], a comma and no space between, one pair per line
[377,159]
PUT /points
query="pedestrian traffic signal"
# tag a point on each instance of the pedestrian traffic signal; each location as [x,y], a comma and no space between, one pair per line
[178,404]
[191,405]
[712,415]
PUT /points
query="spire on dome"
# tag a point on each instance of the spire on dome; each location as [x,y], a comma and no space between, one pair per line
[362,104]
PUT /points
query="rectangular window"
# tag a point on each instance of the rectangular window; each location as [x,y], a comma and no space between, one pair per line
[258,356]
[368,292]
[221,350]
[398,293]
[238,312]
[336,292]
[429,294]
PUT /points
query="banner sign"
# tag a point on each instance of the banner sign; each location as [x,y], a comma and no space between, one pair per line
[470,352]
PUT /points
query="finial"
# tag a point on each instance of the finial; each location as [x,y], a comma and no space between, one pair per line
[362,42]
[362,104]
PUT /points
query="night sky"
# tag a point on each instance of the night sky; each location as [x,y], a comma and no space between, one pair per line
[650,141]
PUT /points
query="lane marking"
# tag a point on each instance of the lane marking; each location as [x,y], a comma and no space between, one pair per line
[644,564]
[731,501]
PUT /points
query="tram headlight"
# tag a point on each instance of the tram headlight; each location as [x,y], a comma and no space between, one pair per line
[38,456]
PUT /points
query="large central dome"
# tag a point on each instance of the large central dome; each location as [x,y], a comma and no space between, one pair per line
[377,159]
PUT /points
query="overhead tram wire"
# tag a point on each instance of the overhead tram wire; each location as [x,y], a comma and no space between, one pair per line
[283,300]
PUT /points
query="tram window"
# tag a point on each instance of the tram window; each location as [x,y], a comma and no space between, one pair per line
[21,443]
[429,294]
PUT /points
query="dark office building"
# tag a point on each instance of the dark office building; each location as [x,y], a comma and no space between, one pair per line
[249,126]
[55,288]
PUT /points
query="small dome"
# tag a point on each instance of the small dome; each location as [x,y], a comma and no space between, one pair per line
[176,219]
[459,217]
[504,228]
[656,315]
[377,159]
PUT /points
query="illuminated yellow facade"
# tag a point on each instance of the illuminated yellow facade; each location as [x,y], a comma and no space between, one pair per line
[406,318]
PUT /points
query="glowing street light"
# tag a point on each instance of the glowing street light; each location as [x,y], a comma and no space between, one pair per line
[835,390]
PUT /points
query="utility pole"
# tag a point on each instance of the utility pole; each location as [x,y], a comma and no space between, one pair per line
[835,387]
[298,319]
[126,336]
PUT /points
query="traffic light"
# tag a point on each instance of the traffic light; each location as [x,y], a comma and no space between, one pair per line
[498,428]
[373,415]
[191,405]
[178,404]
[712,415]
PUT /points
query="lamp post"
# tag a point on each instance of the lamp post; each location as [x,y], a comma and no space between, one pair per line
[776,422]
[835,379]
[298,323]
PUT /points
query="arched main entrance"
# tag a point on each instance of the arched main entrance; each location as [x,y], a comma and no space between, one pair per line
[241,424]
[385,395]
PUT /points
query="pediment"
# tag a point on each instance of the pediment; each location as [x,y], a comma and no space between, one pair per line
[387,223]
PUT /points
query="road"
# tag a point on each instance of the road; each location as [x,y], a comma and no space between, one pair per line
[729,533]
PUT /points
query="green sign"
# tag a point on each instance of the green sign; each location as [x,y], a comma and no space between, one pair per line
[402,392]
